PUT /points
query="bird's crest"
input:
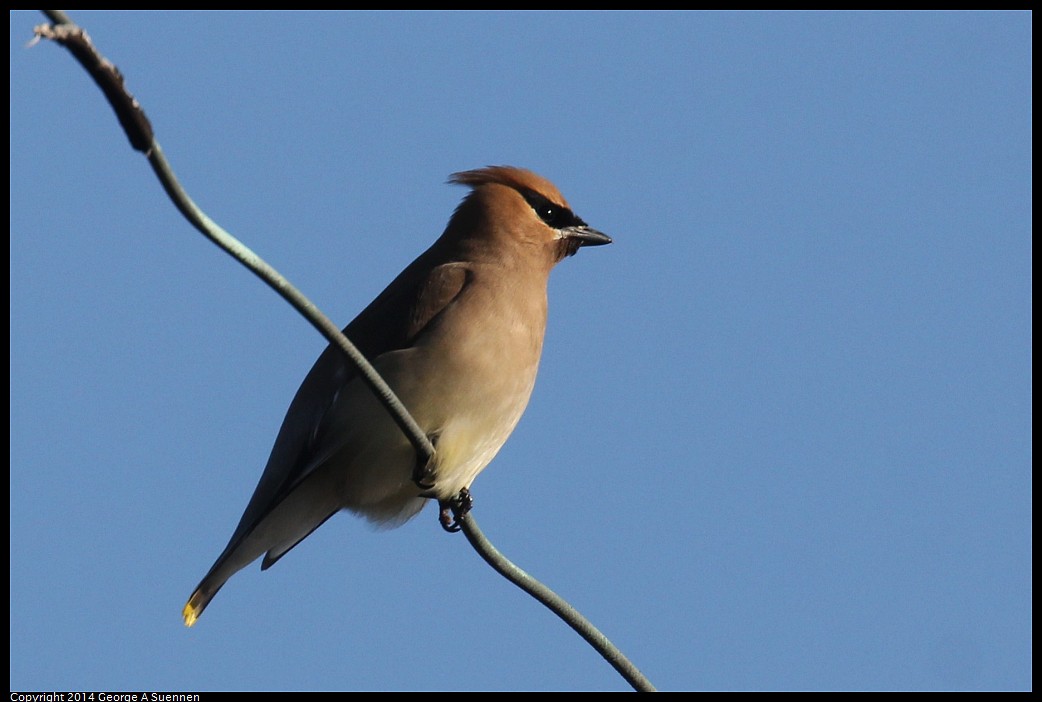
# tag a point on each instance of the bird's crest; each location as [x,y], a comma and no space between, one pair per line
[517,178]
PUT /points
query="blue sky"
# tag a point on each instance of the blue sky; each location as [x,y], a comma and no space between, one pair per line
[781,437]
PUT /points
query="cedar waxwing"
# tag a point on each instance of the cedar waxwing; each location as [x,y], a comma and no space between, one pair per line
[457,336]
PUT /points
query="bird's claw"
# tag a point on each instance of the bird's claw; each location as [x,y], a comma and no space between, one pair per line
[453,511]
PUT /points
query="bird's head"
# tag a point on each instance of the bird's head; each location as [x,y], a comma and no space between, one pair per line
[511,206]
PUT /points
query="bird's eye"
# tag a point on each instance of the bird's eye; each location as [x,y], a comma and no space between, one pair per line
[555,216]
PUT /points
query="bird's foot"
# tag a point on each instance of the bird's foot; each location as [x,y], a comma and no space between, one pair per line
[454,510]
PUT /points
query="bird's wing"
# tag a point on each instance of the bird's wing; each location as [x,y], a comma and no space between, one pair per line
[393,321]
[438,291]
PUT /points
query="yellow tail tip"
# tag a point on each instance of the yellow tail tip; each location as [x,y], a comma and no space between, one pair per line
[190,614]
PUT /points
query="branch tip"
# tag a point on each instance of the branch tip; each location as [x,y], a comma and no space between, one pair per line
[132,118]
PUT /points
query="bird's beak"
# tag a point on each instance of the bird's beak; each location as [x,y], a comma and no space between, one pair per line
[585,236]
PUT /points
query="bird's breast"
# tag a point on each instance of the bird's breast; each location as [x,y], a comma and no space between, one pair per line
[481,364]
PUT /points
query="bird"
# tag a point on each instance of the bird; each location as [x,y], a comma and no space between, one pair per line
[457,335]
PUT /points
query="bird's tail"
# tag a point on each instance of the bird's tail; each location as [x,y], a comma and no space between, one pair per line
[198,601]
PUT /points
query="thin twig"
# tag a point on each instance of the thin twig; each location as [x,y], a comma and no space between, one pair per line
[557,604]
[139,130]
